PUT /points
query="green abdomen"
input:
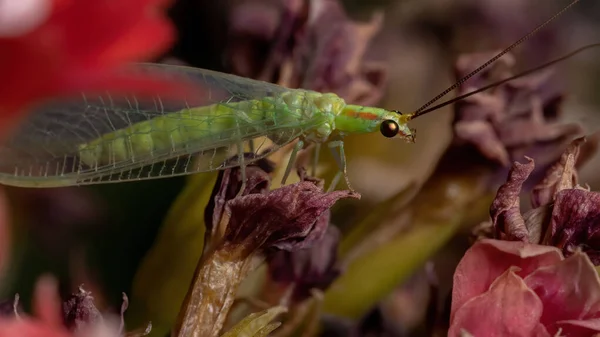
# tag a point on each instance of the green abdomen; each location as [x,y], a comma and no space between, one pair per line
[175,133]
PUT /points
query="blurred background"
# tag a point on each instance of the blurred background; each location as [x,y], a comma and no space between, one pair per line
[98,235]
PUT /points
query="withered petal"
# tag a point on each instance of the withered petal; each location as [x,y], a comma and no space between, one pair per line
[311,44]
[537,221]
[282,218]
[80,311]
[575,221]
[561,175]
[505,210]
[229,183]
[516,118]
[308,268]
[483,137]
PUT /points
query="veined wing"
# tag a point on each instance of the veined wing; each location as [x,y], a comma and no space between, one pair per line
[46,150]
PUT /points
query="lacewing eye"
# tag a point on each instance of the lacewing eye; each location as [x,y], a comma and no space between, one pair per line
[389,128]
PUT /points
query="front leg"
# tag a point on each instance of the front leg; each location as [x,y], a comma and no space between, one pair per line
[337,150]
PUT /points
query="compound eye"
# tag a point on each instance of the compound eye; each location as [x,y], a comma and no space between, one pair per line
[389,128]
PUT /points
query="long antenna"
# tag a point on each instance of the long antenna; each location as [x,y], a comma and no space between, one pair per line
[489,86]
[461,81]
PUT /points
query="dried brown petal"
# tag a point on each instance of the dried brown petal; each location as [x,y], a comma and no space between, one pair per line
[258,220]
[308,268]
[576,222]
[505,210]
[228,185]
[565,215]
[513,119]
[305,43]
[561,175]
[80,312]
[280,219]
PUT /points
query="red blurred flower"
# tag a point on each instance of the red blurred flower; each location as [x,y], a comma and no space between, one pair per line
[77,46]
[512,288]
[48,321]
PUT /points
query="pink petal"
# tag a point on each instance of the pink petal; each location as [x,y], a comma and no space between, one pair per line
[26,327]
[508,309]
[47,303]
[487,259]
[570,290]
[577,328]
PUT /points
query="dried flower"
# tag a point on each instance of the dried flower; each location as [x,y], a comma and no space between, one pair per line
[565,215]
[241,230]
[513,119]
[309,268]
[310,44]
[80,311]
[512,288]
[80,317]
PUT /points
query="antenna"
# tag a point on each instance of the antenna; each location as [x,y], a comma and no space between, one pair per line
[489,86]
[461,81]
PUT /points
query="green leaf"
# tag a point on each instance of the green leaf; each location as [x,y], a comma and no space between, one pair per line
[257,324]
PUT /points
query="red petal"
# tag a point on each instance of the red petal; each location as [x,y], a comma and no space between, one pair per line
[80,38]
[508,309]
[47,304]
[26,327]
[570,289]
[487,259]
[5,232]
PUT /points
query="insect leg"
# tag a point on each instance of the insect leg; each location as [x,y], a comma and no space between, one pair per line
[337,150]
[241,161]
[317,150]
[292,161]
[240,150]
[251,145]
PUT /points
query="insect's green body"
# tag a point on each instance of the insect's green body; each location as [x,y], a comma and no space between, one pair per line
[317,114]
[104,141]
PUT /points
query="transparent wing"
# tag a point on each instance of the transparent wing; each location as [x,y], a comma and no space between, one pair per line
[43,152]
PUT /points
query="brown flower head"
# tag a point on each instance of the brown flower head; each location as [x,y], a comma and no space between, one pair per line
[310,44]
[80,311]
[310,268]
[291,217]
[242,228]
[228,185]
[514,119]
[565,215]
